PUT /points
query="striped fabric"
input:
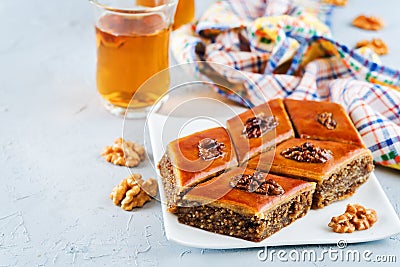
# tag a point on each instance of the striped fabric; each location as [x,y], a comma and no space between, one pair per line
[294,36]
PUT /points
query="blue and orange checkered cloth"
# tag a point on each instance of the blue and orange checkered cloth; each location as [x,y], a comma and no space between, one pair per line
[296,34]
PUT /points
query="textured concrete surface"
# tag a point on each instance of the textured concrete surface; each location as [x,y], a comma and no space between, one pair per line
[54,186]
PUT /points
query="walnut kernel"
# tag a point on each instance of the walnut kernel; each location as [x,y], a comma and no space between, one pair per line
[307,152]
[259,125]
[336,2]
[210,149]
[124,153]
[327,120]
[256,183]
[133,192]
[377,45]
[355,218]
[368,23]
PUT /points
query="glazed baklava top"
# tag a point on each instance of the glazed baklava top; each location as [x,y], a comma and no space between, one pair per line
[322,120]
[201,155]
[259,129]
[314,159]
[324,125]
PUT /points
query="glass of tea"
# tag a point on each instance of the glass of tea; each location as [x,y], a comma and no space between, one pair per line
[132,45]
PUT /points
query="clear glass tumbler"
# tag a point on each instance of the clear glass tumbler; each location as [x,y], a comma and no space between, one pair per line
[132,45]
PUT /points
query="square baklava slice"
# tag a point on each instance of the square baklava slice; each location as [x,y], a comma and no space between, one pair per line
[337,168]
[322,121]
[192,159]
[247,204]
[259,129]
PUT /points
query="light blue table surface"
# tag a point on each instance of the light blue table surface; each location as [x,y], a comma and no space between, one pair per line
[54,186]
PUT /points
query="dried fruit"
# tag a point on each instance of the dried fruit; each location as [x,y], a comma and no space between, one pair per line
[307,152]
[133,192]
[210,149]
[355,218]
[124,153]
[377,45]
[326,119]
[368,23]
[257,126]
[256,183]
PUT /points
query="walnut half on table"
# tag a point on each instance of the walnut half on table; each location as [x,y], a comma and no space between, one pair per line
[376,44]
[336,2]
[369,23]
[133,192]
[124,153]
[355,218]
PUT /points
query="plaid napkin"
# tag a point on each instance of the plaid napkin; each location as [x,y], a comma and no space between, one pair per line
[286,50]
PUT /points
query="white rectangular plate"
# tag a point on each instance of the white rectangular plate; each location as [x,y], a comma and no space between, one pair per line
[311,229]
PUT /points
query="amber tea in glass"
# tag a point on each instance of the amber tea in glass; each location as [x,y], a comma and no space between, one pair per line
[132,45]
